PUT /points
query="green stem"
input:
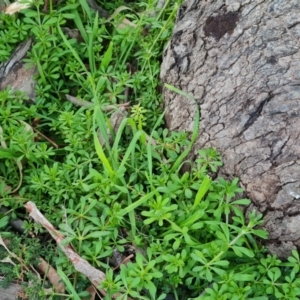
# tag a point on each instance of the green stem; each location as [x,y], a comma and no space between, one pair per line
[229,246]
[158,36]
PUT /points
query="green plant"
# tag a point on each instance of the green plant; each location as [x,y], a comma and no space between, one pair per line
[188,230]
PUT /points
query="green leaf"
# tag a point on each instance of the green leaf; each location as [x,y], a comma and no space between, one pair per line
[91,54]
[218,271]
[241,202]
[7,153]
[176,244]
[261,233]
[68,16]
[84,294]
[195,128]
[101,155]
[226,231]
[198,256]
[118,10]
[192,219]
[97,234]
[68,7]
[178,91]
[73,51]
[86,8]
[30,13]
[175,227]
[223,263]
[295,254]
[30,21]
[274,274]
[150,153]
[196,226]
[122,189]
[189,241]
[51,21]
[151,264]
[68,283]
[208,275]
[149,285]
[204,187]
[4,221]
[107,57]
[136,204]
[131,147]
[170,236]
[139,259]
[239,251]
[162,296]
[149,221]
[188,193]
[243,277]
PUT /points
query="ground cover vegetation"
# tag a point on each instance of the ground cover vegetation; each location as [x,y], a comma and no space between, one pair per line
[117,193]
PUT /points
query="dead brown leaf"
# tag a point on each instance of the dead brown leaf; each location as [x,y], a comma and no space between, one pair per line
[16,7]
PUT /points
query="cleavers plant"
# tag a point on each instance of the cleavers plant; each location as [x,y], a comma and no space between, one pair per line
[125,192]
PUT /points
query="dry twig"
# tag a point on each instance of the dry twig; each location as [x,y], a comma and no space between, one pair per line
[52,275]
[80,264]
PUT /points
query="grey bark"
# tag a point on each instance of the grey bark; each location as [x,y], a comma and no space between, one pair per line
[240,59]
[13,72]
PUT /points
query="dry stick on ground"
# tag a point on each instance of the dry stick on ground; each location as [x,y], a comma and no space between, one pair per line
[105,108]
[80,264]
[124,261]
[12,254]
[43,266]
[17,6]
[46,138]
[52,275]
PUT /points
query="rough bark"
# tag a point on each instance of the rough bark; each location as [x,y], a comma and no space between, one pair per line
[13,72]
[241,61]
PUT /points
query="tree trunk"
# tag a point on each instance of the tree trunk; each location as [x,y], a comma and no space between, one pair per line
[240,59]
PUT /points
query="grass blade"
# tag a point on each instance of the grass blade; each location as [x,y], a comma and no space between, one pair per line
[101,155]
[100,122]
[86,9]
[99,119]
[107,57]
[205,185]
[71,49]
[131,147]
[195,130]
[149,148]
[136,204]
[68,283]
[91,43]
